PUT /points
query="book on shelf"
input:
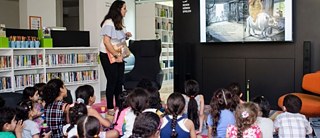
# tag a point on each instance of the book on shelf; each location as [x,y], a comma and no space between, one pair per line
[74,76]
[27,60]
[71,59]
[5,62]
[28,79]
[5,83]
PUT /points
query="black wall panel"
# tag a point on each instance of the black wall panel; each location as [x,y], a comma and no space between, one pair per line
[270,77]
[282,62]
[220,72]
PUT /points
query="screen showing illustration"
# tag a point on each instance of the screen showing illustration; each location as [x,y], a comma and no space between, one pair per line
[245,20]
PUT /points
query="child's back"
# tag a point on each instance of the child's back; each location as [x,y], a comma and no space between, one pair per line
[221,115]
[137,100]
[246,116]
[54,92]
[180,127]
[291,123]
[175,124]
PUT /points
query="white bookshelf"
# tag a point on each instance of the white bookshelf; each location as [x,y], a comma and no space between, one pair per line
[155,21]
[76,66]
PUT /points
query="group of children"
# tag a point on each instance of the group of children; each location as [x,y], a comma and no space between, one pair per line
[141,114]
[231,117]
[42,112]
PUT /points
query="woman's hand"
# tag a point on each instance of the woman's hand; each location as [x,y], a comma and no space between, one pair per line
[119,58]
[128,35]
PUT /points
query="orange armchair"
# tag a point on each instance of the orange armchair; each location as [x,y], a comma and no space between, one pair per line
[310,103]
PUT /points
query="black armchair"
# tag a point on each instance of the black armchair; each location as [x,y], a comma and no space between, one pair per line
[147,64]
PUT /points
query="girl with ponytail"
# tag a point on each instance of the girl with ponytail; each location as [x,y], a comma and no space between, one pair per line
[85,95]
[246,116]
[55,108]
[194,104]
[221,114]
[88,127]
[175,125]
[137,101]
[76,111]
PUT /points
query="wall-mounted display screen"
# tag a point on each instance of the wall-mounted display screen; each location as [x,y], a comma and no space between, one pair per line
[246,20]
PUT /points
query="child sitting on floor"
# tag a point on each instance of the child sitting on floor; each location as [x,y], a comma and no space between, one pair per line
[8,124]
[26,112]
[194,104]
[76,111]
[175,124]
[299,125]
[221,115]
[246,115]
[32,94]
[263,120]
[146,125]
[55,108]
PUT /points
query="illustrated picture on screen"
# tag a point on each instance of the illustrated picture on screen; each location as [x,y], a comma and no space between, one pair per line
[246,20]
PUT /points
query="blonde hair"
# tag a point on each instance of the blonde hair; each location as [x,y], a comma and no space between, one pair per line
[246,114]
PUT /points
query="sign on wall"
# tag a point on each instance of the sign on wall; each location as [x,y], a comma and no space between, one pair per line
[186,7]
[35,22]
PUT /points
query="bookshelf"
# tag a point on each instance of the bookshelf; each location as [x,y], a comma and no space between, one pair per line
[155,21]
[22,67]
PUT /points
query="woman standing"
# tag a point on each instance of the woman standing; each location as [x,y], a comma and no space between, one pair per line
[114,38]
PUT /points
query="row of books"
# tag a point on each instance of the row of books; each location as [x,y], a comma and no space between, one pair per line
[74,76]
[28,80]
[5,62]
[5,83]
[164,25]
[63,59]
[164,12]
[31,79]
[28,60]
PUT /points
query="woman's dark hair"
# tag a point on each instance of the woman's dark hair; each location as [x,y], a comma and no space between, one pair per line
[145,125]
[23,110]
[75,112]
[52,90]
[88,127]
[138,100]
[263,104]
[39,87]
[175,106]
[84,92]
[221,99]
[192,90]
[245,114]
[115,14]
[292,103]
[28,92]
[7,114]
